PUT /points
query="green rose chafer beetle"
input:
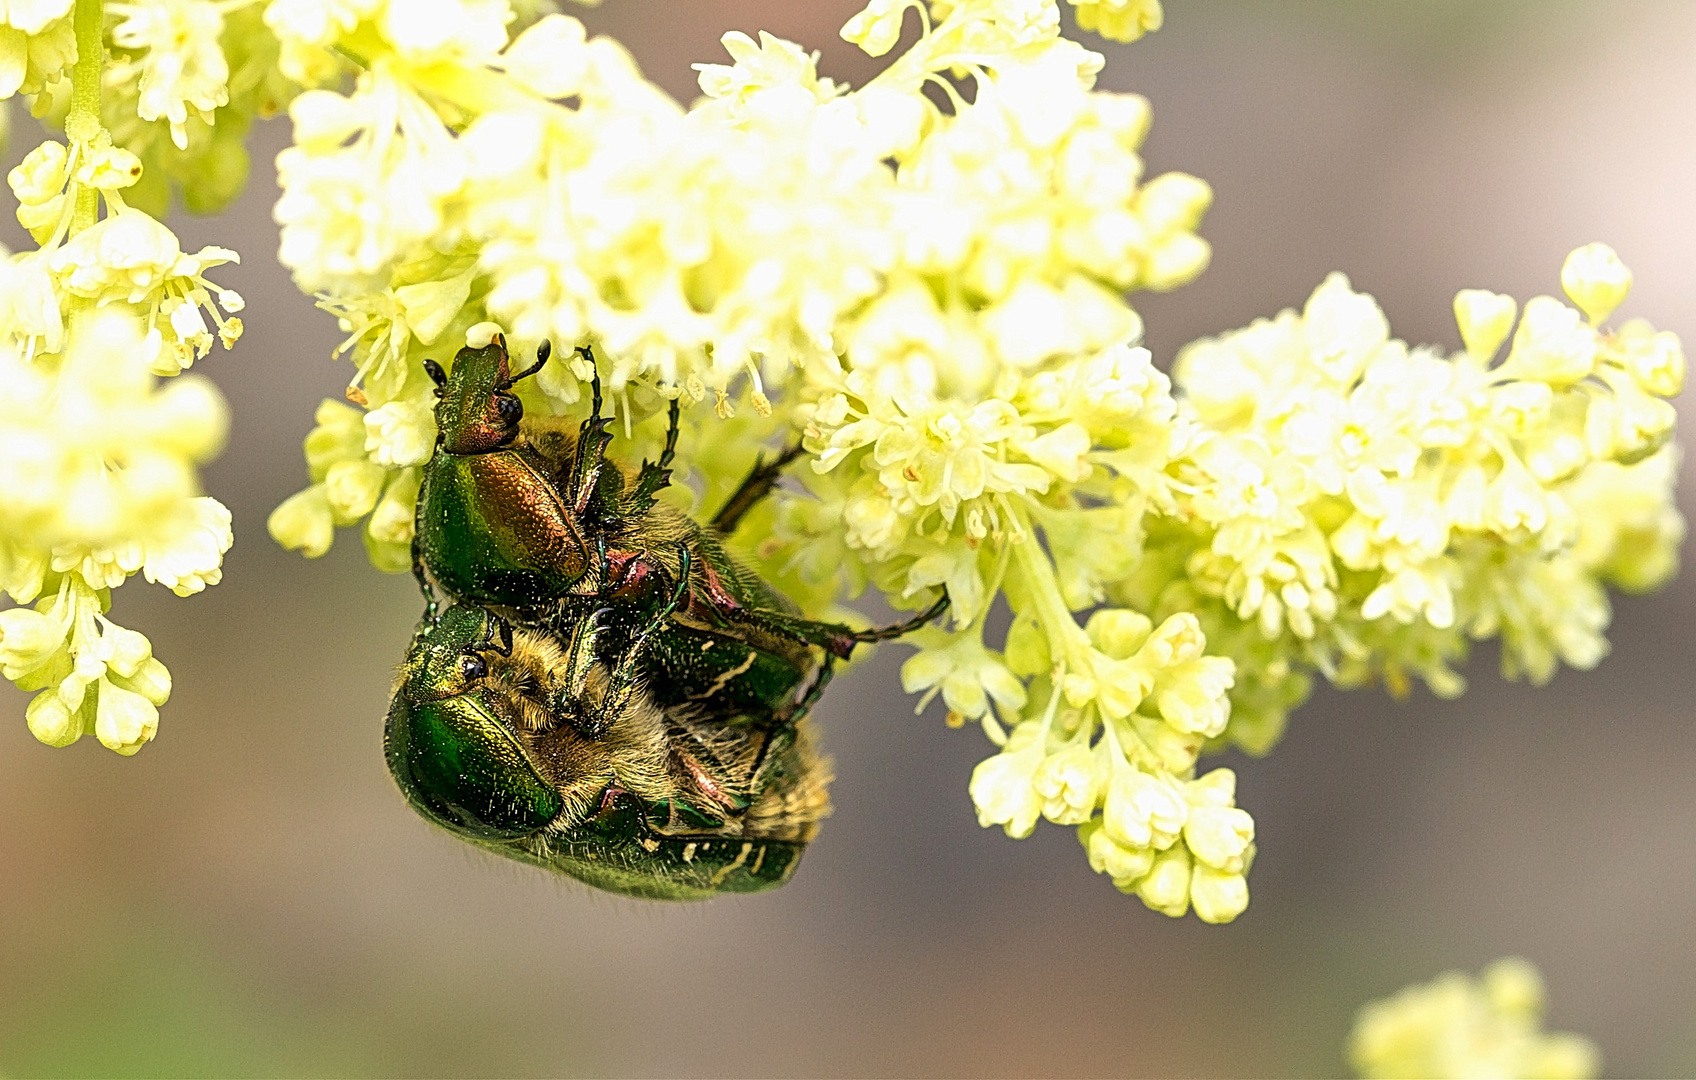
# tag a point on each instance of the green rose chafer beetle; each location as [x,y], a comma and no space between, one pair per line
[529,519]
[664,804]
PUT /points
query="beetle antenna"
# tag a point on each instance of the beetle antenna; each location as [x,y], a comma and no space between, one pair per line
[543,351]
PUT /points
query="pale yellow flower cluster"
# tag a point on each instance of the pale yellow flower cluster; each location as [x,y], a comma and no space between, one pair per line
[780,225]
[1456,1025]
[182,84]
[99,479]
[938,293]
[1371,509]
[1317,497]
[1039,491]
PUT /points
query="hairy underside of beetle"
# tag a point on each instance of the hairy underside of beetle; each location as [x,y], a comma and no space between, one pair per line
[760,779]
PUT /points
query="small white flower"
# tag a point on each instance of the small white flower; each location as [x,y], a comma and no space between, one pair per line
[967,675]
[1070,782]
[182,66]
[1001,786]
[401,433]
[191,559]
[1144,811]
[1552,343]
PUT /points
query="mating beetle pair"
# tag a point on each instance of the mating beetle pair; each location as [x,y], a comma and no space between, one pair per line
[608,640]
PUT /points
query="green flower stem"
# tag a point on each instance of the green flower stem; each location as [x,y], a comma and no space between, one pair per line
[82,123]
[1053,614]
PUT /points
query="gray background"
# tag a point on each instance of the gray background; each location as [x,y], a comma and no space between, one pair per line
[249,895]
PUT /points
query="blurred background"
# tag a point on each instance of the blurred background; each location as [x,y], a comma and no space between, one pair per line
[250,895]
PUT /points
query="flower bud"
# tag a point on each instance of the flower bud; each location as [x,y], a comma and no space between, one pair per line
[123,650]
[28,639]
[51,721]
[1173,202]
[1596,281]
[1484,319]
[1344,328]
[1001,788]
[1070,783]
[340,435]
[549,58]
[1174,261]
[302,522]
[1166,889]
[1514,988]
[877,28]
[393,520]
[124,720]
[1655,361]
[1218,896]
[40,177]
[401,434]
[1219,835]
[1143,810]
[351,489]
[110,168]
[1521,407]
[191,418]
[1118,632]
[1552,344]
[1126,866]
[151,680]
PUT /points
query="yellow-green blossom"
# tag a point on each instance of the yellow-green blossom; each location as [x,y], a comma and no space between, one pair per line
[100,460]
[37,45]
[929,288]
[1456,1025]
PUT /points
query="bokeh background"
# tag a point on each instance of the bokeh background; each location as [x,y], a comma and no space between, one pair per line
[250,896]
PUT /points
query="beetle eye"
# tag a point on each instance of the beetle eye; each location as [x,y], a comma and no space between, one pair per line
[472,667]
[509,408]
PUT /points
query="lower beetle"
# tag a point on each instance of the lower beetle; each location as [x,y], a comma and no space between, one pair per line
[664,804]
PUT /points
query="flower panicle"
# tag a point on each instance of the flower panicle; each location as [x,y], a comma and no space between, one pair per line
[1307,497]
[930,288]
[102,480]
[751,240]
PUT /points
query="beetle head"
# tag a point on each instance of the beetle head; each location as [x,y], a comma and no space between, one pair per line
[476,411]
[450,743]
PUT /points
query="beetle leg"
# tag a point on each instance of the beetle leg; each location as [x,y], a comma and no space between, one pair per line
[754,487]
[788,716]
[670,451]
[431,608]
[568,694]
[625,678]
[835,637]
[907,626]
[655,475]
[592,444]
[497,635]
